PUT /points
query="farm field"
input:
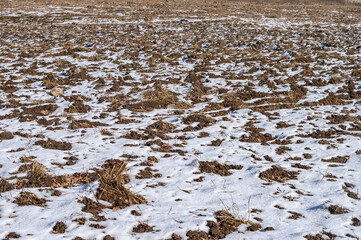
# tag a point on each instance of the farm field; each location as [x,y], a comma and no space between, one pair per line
[193,120]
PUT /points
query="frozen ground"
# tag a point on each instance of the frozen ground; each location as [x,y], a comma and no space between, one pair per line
[210,121]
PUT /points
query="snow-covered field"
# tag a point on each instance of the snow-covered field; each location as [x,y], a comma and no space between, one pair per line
[181,121]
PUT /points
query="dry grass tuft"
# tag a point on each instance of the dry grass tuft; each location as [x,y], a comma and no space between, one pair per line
[112,189]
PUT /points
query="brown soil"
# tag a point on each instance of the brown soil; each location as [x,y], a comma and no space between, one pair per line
[52,144]
[90,206]
[335,209]
[355,222]
[78,107]
[294,215]
[175,237]
[255,135]
[158,99]
[59,227]
[27,198]
[108,237]
[197,235]
[216,143]
[277,173]
[147,173]
[301,166]
[203,120]
[41,110]
[6,136]
[75,124]
[5,186]
[282,150]
[225,225]
[217,168]
[321,236]
[338,159]
[12,235]
[142,228]
[112,189]
[161,126]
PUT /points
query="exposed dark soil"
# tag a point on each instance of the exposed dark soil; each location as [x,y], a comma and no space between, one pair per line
[12,235]
[5,186]
[52,144]
[76,124]
[78,107]
[142,228]
[59,227]
[6,136]
[277,173]
[217,168]
[27,198]
[335,209]
[338,159]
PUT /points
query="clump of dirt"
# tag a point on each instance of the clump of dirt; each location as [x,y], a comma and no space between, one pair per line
[78,107]
[301,166]
[6,136]
[337,119]
[5,186]
[225,225]
[355,222]
[282,150]
[75,124]
[217,168]
[338,159]
[112,189]
[142,228]
[52,144]
[203,120]
[175,237]
[216,143]
[147,173]
[321,236]
[331,99]
[90,206]
[283,125]
[322,134]
[27,198]
[105,132]
[335,209]
[160,98]
[135,213]
[59,227]
[108,237]
[255,135]
[278,174]
[135,135]
[294,215]
[12,235]
[40,110]
[196,235]
[197,92]
[161,126]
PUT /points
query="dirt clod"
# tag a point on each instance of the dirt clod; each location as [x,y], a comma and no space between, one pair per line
[142,228]
[277,173]
[217,168]
[59,227]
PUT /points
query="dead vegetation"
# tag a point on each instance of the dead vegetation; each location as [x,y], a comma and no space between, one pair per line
[113,177]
